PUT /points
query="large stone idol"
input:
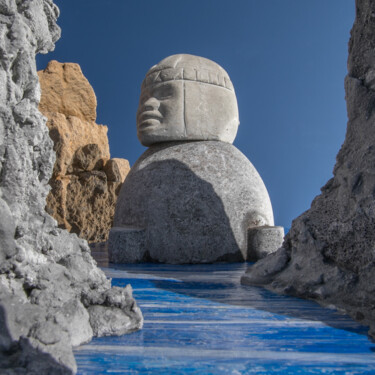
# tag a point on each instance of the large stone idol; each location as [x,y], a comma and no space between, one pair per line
[192,196]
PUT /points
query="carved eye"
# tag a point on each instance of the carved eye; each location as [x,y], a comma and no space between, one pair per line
[163,91]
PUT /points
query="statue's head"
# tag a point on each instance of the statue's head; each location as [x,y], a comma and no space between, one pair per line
[187,98]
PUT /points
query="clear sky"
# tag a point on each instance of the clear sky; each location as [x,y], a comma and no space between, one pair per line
[286,59]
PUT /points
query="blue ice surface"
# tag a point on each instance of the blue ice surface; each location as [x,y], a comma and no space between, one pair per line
[199,319]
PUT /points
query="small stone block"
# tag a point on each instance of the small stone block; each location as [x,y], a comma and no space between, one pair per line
[262,241]
[228,84]
[203,76]
[171,74]
[126,245]
[221,80]
[190,74]
[214,78]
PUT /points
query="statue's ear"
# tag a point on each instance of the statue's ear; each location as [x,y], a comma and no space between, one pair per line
[211,112]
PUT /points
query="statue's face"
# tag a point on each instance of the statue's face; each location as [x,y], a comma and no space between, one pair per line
[160,115]
[187,98]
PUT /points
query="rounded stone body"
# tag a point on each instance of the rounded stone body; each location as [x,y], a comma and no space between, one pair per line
[194,201]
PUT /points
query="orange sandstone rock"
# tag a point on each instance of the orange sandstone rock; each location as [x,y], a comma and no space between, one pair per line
[85,181]
[69,134]
[116,169]
[66,90]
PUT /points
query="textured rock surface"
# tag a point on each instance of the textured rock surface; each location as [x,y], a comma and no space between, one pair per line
[85,181]
[48,280]
[127,245]
[66,90]
[262,241]
[195,201]
[329,253]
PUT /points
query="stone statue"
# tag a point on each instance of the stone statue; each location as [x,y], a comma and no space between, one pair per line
[187,98]
[192,197]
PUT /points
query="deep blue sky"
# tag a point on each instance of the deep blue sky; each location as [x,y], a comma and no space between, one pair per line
[286,59]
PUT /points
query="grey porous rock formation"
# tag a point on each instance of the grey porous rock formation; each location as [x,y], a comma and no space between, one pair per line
[329,253]
[52,295]
[191,197]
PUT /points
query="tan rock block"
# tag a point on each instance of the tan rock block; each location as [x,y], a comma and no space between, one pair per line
[85,182]
[87,158]
[70,134]
[56,201]
[90,205]
[117,169]
[66,90]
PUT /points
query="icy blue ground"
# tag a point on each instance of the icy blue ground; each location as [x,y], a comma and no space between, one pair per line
[200,320]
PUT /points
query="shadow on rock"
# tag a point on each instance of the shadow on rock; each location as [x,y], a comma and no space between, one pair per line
[23,356]
[184,217]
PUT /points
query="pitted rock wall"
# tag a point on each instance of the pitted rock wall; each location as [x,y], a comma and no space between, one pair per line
[50,287]
[85,181]
[329,253]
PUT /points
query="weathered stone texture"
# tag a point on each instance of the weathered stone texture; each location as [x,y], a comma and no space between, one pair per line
[48,280]
[186,97]
[85,181]
[329,253]
[66,90]
[262,241]
[191,197]
[195,202]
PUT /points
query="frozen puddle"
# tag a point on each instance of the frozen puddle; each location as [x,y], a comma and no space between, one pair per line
[200,320]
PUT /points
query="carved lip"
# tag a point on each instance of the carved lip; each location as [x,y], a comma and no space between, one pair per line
[149,118]
[150,115]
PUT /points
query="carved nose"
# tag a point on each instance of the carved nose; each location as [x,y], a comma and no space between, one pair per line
[151,104]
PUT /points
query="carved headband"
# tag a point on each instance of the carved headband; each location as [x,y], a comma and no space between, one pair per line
[187,74]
